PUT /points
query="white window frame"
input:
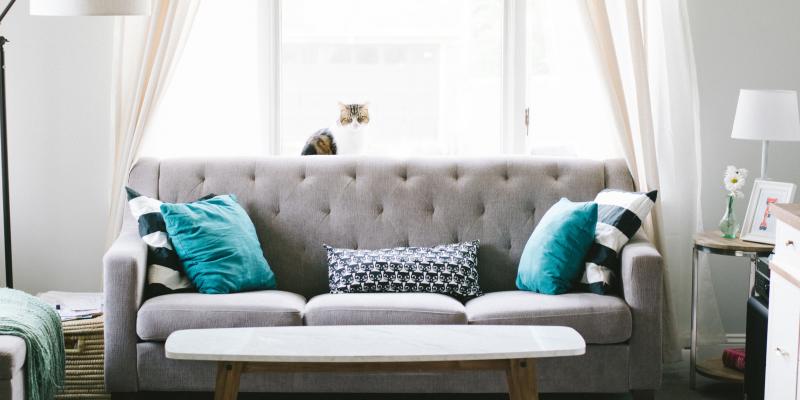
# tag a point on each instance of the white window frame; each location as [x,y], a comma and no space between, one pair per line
[270,82]
[514,75]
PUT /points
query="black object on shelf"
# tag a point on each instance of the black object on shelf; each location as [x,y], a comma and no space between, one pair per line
[756,344]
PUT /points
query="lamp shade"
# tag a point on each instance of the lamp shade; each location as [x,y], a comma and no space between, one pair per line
[767,115]
[90,7]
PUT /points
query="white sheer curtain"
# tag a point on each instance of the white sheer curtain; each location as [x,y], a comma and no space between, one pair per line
[145,54]
[647,57]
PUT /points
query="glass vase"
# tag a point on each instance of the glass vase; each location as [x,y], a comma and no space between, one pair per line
[728,224]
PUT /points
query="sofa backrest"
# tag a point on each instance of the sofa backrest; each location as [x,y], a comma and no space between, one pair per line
[299,203]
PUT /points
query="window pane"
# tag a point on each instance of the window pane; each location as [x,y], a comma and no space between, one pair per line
[431,71]
[569,106]
[211,107]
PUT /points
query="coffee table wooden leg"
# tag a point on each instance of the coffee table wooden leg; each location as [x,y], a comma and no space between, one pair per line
[228,375]
[521,377]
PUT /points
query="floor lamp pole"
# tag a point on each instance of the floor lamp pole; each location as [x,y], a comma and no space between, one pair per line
[4,165]
[4,154]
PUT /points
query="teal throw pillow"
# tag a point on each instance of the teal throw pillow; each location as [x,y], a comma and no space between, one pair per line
[552,260]
[217,243]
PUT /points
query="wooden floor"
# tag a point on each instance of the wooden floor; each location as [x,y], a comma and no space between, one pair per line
[675,386]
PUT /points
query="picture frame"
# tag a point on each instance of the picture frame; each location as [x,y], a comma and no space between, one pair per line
[759,223]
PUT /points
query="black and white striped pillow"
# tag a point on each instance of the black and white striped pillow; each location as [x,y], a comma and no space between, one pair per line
[619,217]
[164,269]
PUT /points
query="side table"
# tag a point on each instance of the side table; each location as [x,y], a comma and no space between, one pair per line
[712,242]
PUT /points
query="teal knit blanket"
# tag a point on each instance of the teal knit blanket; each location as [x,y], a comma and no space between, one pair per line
[38,324]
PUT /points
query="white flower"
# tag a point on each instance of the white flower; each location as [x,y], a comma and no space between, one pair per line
[735,179]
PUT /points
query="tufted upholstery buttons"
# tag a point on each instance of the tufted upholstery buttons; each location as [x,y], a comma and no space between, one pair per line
[293,198]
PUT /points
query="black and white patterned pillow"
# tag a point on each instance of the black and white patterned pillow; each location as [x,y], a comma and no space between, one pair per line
[619,217]
[164,269]
[449,269]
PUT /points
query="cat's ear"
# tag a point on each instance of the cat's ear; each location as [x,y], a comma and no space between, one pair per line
[365,105]
[342,106]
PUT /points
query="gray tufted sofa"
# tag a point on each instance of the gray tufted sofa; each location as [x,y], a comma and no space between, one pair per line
[298,203]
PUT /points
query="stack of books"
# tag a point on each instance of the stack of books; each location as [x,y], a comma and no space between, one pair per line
[734,358]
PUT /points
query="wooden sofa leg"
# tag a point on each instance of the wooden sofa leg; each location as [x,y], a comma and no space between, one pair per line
[643,394]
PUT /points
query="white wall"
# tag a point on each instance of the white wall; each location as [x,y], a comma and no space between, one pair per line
[740,44]
[58,72]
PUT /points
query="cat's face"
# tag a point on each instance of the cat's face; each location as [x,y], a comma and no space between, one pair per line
[353,115]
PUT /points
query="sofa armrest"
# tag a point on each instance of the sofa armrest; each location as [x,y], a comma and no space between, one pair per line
[642,287]
[124,271]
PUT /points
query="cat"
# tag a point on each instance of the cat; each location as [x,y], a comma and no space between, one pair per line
[320,143]
[346,136]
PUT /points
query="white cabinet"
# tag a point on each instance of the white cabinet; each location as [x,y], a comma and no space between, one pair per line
[783,341]
[787,245]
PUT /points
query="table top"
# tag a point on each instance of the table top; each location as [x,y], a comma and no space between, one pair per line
[714,240]
[374,343]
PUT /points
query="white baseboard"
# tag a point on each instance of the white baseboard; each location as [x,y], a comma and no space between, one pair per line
[735,338]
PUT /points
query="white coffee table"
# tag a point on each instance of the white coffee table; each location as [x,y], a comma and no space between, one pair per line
[395,348]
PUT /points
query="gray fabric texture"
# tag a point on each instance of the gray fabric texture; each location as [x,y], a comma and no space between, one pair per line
[599,319]
[162,315]
[617,175]
[123,282]
[14,388]
[608,365]
[298,203]
[384,309]
[642,287]
[124,273]
[12,355]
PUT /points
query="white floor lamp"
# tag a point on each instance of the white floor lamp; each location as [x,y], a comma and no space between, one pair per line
[767,115]
[51,8]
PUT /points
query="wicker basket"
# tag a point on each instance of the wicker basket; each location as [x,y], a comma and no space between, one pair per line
[84,372]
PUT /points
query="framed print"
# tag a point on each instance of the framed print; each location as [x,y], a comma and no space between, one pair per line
[759,223]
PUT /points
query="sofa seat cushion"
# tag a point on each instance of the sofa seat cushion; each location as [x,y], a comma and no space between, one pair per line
[12,356]
[599,319]
[384,309]
[160,316]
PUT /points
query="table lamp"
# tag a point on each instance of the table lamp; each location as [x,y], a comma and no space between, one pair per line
[767,115]
[54,8]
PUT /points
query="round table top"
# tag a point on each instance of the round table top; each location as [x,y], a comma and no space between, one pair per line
[714,240]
